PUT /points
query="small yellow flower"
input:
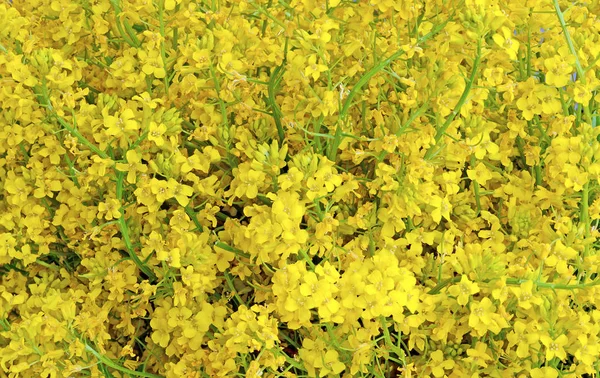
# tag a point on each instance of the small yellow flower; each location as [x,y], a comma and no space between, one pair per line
[133,166]
[156,133]
[442,208]
[509,44]
[111,209]
[464,290]
[314,69]
[181,192]
[481,174]
[555,346]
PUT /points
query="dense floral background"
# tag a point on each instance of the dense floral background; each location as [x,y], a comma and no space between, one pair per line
[299,188]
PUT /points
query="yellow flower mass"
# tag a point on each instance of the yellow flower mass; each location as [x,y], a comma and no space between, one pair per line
[299,188]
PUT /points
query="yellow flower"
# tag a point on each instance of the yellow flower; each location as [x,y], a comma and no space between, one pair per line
[555,346]
[544,372]
[332,364]
[505,40]
[559,68]
[481,174]
[110,209]
[181,192]
[464,290]
[171,4]
[442,208]
[121,124]
[156,133]
[575,179]
[550,100]
[287,205]
[152,63]
[246,182]
[52,149]
[291,179]
[161,190]
[133,166]
[229,65]
[481,317]
[313,69]
[440,364]
[478,355]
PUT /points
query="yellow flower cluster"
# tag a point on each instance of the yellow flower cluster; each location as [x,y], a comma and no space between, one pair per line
[299,188]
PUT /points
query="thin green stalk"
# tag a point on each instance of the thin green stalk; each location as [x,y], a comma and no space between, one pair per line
[476,188]
[110,363]
[518,281]
[72,170]
[563,25]
[126,37]
[125,232]
[463,99]
[48,266]
[163,54]
[528,52]
[584,216]
[307,258]
[237,297]
[192,214]
[74,132]
[563,102]
[232,250]
[388,341]
[578,67]
[275,111]
[333,147]
[5,324]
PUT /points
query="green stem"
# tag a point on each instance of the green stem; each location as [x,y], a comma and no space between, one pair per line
[463,99]
[74,132]
[275,111]
[563,25]
[584,217]
[476,187]
[332,149]
[578,67]
[388,341]
[72,170]
[108,362]
[48,266]
[307,258]
[117,8]
[232,250]
[163,54]
[125,231]
[237,297]
[192,214]
[518,281]
[5,324]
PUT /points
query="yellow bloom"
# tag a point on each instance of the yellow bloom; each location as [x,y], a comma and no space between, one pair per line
[481,174]
[156,133]
[481,317]
[133,166]
[120,124]
[110,209]
[555,346]
[559,69]
[181,192]
[544,372]
[313,69]
[464,290]
[505,40]
[442,208]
